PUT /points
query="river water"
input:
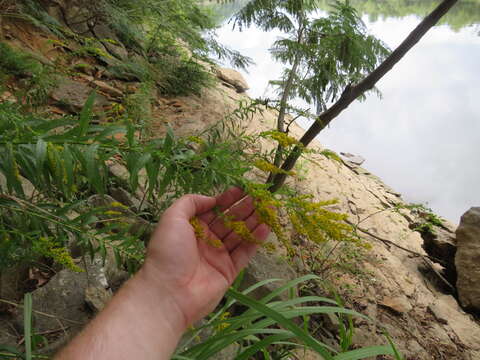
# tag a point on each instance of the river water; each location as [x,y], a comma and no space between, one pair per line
[423,137]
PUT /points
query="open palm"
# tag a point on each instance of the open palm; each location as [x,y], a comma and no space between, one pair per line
[195,273]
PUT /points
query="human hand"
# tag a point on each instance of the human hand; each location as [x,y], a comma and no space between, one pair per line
[182,280]
[193,273]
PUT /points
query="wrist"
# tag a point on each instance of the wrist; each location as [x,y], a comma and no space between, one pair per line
[159,300]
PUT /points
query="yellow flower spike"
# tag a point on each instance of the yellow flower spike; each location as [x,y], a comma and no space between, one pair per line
[223,325]
[112,213]
[241,229]
[282,138]
[269,167]
[118,204]
[200,234]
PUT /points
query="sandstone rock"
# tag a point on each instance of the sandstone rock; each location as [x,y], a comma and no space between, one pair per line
[105,34]
[467,259]
[97,297]
[233,78]
[264,266]
[399,304]
[447,311]
[354,159]
[27,186]
[305,354]
[108,89]
[63,297]
[73,95]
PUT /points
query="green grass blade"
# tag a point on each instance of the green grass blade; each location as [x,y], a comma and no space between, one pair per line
[27,316]
[306,338]
[365,352]
[262,344]
[223,339]
[86,115]
[396,353]
[287,286]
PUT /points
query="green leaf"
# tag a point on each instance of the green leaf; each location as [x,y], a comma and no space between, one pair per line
[86,115]
[40,154]
[138,164]
[262,344]
[363,353]
[27,323]
[94,175]
[167,178]
[11,351]
[169,141]
[12,172]
[109,131]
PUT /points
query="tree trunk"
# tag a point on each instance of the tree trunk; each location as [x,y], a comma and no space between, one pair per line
[351,93]
[282,112]
[284,100]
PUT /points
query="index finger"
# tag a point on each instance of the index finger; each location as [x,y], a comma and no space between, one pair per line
[224,202]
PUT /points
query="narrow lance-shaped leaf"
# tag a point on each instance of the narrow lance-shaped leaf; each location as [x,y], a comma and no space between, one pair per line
[86,115]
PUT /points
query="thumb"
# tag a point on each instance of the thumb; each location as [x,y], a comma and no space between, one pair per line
[190,205]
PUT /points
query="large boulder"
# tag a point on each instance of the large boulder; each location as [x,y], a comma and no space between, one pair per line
[467,259]
[233,78]
[73,95]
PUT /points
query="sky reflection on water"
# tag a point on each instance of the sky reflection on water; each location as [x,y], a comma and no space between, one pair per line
[423,137]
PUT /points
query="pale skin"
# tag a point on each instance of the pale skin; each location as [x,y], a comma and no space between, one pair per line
[182,280]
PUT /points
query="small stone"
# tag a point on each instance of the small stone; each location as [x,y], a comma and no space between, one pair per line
[264,266]
[399,304]
[97,297]
[354,159]
[108,89]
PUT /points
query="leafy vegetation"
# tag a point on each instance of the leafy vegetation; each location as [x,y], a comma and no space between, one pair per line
[57,173]
[267,326]
[323,54]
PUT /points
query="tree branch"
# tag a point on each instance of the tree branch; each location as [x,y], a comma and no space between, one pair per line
[352,93]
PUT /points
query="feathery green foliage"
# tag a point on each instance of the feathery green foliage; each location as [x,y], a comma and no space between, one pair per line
[323,55]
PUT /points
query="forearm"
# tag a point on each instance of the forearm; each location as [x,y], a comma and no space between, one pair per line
[140,322]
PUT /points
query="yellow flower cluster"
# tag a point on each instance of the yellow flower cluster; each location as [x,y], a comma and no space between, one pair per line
[241,229]
[196,139]
[223,325]
[270,168]
[282,138]
[266,207]
[200,234]
[318,224]
[48,248]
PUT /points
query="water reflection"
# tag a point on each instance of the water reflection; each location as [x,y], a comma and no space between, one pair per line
[463,14]
[423,137]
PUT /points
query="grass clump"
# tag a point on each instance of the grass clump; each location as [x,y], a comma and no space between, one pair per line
[332,155]
[35,79]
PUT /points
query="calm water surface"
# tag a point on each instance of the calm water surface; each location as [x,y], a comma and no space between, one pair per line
[423,137]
